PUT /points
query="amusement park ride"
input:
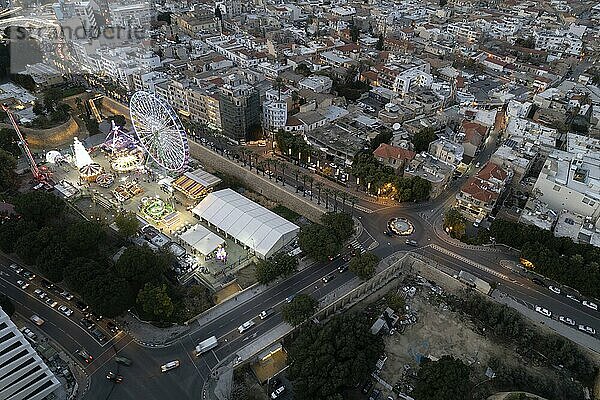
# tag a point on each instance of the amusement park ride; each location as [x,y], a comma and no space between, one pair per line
[41,175]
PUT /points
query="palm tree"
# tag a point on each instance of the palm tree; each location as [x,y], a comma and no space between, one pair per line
[311,180]
[268,161]
[353,200]
[296,173]
[304,177]
[282,165]
[327,191]
[344,197]
[335,194]
[319,187]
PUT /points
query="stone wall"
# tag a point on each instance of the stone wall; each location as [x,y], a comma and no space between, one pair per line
[258,183]
[49,138]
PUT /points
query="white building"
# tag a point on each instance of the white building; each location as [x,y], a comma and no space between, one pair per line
[412,77]
[316,83]
[137,15]
[274,114]
[23,374]
[249,223]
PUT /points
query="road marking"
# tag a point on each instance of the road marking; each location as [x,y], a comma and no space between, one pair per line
[469,261]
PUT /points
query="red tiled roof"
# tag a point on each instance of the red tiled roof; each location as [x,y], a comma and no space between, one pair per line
[474,132]
[387,151]
[491,170]
[293,121]
[478,189]
[349,48]
[370,75]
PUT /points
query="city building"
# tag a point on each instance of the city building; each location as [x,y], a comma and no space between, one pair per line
[136,15]
[436,171]
[478,196]
[259,229]
[239,105]
[392,156]
[24,375]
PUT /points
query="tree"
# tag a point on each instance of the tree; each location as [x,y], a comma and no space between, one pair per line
[445,379]
[127,223]
[395,301]
[108,294]
[140,265]
[7,305]
[341,225]
[454,223]
[52,260]
[301,308]
[84,238]
[325,360]
[364,265]
[318,242]
[354,31]
[11,231]
[8,176]
[155,301]
[38,109]
[280,264]
[38,206]
[422,139]
[420,188]
[382,137]
[8,142]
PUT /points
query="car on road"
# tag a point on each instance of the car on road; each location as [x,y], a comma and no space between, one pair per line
[266,313]
[328,278]
[346,258]
[39,293]
[343,268]
[87,324]
[169,366]
[277,392]
[37,320]
[112,327]
[566,320]
[543,311]
[111,376]
[574,298]
[16,268]
[591,305]
[413,243]
[331,258]
[554,289]
[22,284]
[245,326]
[289,299]
[87,357]
[93,316]
[65,310]
[51,302]
[538,281]
[123,361]
[66,295]
[375,394]
[587,329]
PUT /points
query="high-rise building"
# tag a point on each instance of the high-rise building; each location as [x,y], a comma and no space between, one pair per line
[239,104]
[23,374]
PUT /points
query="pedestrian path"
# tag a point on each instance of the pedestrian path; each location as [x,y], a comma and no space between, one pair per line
[469,261]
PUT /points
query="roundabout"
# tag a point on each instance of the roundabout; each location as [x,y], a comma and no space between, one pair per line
[400,226]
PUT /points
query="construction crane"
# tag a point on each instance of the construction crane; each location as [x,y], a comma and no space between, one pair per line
[38,174]
[94,109]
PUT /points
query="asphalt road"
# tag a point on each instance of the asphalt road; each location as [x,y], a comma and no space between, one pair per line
[144,380]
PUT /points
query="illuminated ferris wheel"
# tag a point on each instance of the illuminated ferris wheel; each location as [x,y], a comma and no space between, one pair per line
[159,131]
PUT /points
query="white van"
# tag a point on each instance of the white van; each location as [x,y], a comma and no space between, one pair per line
[245,326]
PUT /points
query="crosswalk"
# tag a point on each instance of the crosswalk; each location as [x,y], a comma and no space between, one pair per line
[469,261]
[357,245]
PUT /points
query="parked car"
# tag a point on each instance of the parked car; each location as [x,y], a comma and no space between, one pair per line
[99,335]
[277,392]
[28,333]
[81,306]
[66,295]
[554,289]
[47,284]
[169,366]
[16,268]
[375,394]
[51,302]
[538,281]
[591,305]
[28,275]
[367,386]
[39,293]
[87,324]
[566,320]
[65,310]
[413,243]
[587,329]
[543,311]
[574,298]
[112,327]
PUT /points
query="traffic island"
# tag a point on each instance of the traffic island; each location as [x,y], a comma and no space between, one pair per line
[400,226]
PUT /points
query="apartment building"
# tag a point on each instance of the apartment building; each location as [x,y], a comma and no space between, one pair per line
[24,375]
[479,194]
[239,105]
[137,15]
[436,171]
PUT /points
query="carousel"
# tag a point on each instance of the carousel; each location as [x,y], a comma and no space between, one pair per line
[88,169]
[124,153]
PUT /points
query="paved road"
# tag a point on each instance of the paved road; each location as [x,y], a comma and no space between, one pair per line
[144,380]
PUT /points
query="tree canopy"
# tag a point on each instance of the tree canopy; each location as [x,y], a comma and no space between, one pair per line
[8,177]
[422,139]
[127,223]
[364,265]
[8,142]
[139,265]
[325,360]
[454,223]
[280,264]
[445,379]
[155,301]
[38,206]
[302,307]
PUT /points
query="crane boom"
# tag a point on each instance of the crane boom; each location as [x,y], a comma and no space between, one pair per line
[37,174]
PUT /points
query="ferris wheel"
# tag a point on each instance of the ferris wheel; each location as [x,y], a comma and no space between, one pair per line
[159,131]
